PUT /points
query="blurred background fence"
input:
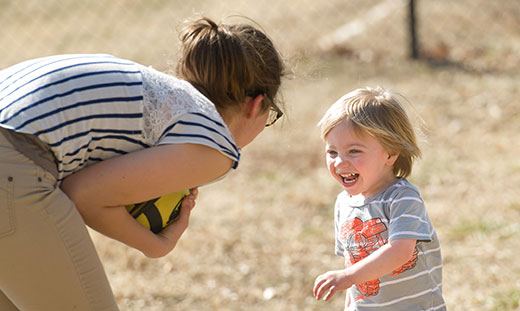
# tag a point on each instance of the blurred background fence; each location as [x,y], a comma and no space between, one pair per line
[469,33]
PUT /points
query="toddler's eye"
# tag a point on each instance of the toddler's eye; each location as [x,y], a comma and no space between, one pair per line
[332,153]
[354,151]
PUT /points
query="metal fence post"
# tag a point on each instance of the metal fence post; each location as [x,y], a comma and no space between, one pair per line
[414,45]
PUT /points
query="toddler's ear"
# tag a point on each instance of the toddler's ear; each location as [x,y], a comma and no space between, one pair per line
[391,159]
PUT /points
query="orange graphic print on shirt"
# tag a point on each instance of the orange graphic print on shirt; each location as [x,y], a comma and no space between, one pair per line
[362,238]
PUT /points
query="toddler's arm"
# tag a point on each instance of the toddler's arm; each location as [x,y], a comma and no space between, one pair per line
[381,262]
[347,300]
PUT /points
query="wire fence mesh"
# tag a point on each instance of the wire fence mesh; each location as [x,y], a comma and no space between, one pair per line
[478,34]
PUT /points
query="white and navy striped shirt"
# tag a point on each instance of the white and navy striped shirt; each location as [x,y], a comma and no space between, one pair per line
[364,225]
[91,107]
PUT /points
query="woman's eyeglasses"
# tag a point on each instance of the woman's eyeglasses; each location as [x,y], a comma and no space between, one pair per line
[274,114]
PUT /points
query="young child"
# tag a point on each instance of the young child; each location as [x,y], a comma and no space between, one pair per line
[392,254]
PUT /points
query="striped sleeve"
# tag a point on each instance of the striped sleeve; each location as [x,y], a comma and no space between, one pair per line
[339,249]
[198,128]
[408,217]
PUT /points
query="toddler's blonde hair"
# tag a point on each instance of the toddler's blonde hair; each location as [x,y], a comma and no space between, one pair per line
[377,112]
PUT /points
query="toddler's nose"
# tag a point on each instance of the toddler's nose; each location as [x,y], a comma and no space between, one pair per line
[341,162]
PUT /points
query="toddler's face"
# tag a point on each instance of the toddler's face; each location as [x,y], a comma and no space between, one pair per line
[358,161]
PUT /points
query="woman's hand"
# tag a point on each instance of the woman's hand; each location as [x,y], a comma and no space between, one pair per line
[173,232]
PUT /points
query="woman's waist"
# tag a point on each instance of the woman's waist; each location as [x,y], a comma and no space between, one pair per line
[33,148]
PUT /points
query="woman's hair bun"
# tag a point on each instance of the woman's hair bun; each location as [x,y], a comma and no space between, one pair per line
[211,23]
[229,62]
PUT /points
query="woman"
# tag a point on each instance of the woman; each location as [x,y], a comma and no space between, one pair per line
[84,135]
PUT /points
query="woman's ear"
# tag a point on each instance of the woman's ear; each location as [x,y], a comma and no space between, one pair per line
[254,106]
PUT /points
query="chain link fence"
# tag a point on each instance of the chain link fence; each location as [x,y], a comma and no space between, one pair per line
[477,34]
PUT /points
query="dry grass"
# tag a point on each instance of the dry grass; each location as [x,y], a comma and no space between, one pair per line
[258,238]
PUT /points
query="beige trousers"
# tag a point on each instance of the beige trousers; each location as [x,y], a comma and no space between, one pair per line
[47,259]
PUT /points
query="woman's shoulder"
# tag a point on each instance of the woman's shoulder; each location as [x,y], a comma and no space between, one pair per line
[163,88]
[176,112]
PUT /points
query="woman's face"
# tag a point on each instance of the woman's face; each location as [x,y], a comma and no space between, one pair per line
[252,128]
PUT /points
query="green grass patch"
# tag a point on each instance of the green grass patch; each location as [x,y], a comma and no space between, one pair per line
[483,230]
[515,206]
[506,301]
[467,229]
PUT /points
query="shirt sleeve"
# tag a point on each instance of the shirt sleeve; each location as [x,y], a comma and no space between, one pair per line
[339,249]
[197,128]
[175,112]
[409,218]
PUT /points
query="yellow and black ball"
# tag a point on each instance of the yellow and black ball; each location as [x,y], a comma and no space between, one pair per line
[158,213]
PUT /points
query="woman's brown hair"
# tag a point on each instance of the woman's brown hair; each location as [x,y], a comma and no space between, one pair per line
[229,62]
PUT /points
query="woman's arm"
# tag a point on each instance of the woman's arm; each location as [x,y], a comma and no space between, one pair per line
[389,257]
[101,190]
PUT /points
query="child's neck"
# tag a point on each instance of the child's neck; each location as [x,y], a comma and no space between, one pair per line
[381,185]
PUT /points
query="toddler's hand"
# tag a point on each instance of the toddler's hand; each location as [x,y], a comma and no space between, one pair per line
[330,283]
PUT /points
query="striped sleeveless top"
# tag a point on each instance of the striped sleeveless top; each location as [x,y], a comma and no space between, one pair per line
[91,107]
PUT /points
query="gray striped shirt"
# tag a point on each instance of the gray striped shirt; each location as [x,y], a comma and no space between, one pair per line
[364,225]
[91,107]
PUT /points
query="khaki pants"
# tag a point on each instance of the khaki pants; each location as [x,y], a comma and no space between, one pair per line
[47,259]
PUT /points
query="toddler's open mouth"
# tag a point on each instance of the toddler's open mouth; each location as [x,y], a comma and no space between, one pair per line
[349,179]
